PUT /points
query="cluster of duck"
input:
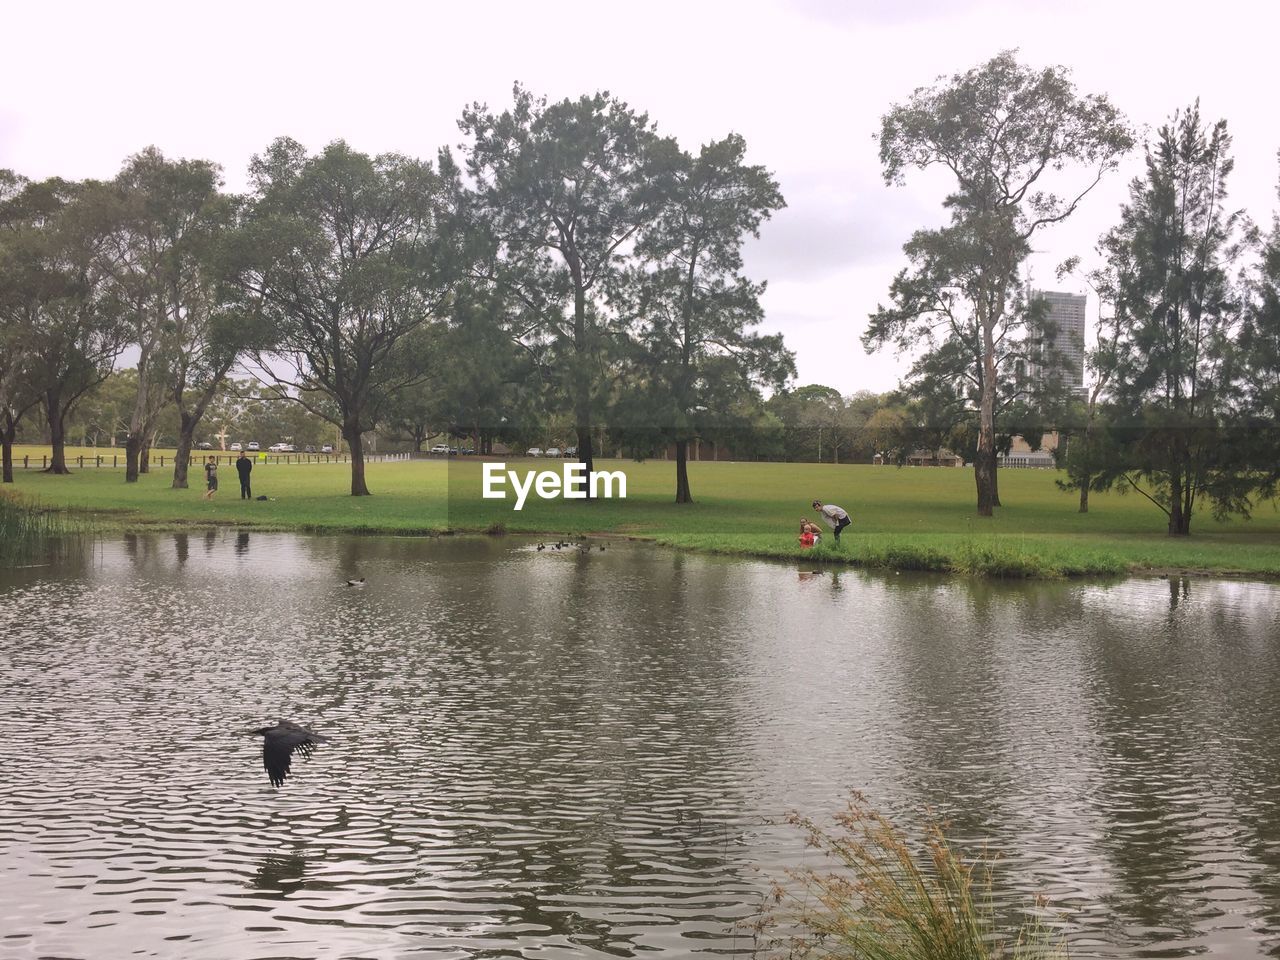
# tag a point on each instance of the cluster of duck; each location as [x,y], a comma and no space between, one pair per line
[584,546]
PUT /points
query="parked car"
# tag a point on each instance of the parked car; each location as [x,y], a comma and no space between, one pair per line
[553,451]
[570,451]
[327,448]
[206,445]
[533,452]
[288,448]
[277,448]
[308,449]
[440,448]
[252,445]
[236,446]
[467,451]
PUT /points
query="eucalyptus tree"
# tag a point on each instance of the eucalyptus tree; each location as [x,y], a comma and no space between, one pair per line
[346,256]
[562,192]
[1005,133]
[18,394]
[693,308]
[214,324]
[963,374]
[161,218]
[56,304]
[1178,308]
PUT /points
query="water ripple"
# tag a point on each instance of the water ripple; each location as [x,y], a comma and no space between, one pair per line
[572,756]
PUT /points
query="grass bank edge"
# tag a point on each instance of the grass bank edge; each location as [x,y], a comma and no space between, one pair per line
[992,557]
[903,520]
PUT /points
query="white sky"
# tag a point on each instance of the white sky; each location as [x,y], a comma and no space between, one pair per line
[83,85]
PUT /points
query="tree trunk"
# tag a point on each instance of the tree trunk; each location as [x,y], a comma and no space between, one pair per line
[144,455]
[351,433]
[995,479]
[581,378]
[984,463]
[1177,524]
[55,413]
[1084,493]
[132,456]
[682,472]
[7,436]
[182,459]
[188,421]
[585,448]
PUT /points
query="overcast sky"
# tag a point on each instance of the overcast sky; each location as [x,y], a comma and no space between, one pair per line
[83,85]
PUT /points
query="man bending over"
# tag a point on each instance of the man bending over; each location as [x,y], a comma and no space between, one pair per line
[837,519]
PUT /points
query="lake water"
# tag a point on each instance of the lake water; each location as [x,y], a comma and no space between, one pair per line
[567,754]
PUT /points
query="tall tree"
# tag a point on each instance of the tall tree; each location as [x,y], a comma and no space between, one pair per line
[490,383]
[1003,131]
[162,219]
[347,256]
[1177,308]
[932,314]
[694,308]
[18,393]
[213,324]
[562,190]
[1084,447]
[56,299]
[1259,348]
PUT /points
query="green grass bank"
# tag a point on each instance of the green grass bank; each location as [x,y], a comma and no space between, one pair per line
[909,518]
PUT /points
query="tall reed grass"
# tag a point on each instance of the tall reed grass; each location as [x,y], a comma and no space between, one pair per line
[29,532]
[880,896]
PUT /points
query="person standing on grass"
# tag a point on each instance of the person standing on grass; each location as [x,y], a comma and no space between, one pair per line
[244,466]
[836,517]
[210,478]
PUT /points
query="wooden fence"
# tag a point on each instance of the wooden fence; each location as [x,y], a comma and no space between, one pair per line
[116,460]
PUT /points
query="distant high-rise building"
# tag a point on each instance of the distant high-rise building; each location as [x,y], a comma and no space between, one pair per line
[1065,349]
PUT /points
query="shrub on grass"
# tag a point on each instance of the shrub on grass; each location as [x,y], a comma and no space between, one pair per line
[883,898]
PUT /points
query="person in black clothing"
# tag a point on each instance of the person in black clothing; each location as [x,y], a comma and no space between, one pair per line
[243,467]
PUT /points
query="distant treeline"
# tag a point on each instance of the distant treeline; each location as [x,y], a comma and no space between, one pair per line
[573,278]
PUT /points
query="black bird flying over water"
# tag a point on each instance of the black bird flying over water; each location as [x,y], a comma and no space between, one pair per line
[278,746]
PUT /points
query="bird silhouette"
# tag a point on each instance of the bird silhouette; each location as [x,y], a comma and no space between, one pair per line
[356,583]
[279,744]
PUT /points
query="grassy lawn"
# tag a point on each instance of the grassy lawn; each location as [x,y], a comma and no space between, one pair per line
[913,518]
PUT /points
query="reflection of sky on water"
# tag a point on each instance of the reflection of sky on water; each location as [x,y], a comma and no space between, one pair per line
[572,753]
